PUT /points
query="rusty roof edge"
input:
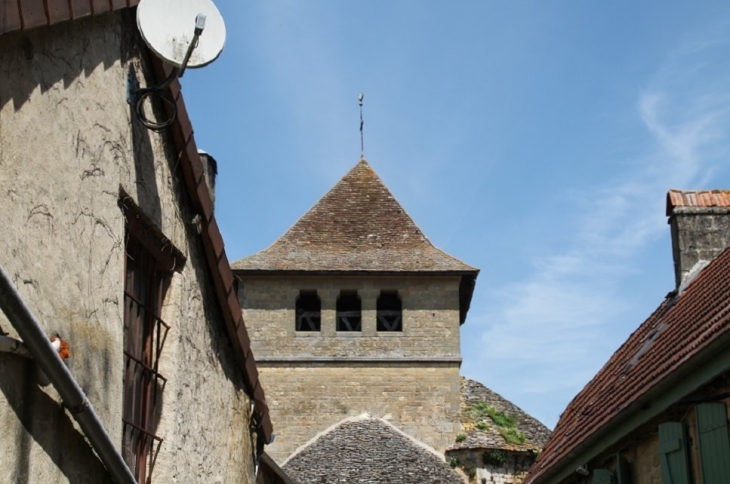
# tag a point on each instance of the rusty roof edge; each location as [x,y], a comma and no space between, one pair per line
[189,158]
[713,359]
[52,17]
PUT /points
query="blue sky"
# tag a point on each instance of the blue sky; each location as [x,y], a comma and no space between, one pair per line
[533,140]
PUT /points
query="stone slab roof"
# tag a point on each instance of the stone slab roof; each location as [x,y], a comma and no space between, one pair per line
[358,226]
[474,393]
[368,450]
[686,329]
[697,199]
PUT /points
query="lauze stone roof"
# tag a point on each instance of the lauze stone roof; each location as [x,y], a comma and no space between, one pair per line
[685,330]
[474,393]
[357,226]
[368,451]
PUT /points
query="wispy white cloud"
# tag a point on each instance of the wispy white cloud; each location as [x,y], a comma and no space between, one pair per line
[558,325]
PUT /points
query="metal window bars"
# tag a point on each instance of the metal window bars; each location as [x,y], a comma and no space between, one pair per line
[145,334]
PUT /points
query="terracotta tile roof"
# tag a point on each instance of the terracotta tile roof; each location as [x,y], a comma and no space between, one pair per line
[368,450]
[677,333]
[473,394]
[28,14]
[357,226]
[697,199]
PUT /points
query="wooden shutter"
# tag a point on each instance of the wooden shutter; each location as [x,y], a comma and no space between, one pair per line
[602,476]
[673,453]
[714,443]
[623,470]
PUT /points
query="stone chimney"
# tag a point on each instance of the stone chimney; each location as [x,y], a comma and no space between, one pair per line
[210,168]
[700,225]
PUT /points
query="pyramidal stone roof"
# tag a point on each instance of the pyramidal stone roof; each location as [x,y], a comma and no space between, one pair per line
[368,450]
[483,432]
[358,226]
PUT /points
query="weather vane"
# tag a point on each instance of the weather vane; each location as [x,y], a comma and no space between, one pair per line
[360,97]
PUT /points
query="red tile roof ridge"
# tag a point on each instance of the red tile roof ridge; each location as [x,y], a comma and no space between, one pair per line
[683,326]
[697,199]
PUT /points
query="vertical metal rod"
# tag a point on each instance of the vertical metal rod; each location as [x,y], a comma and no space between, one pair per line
[39,345]
[360,97]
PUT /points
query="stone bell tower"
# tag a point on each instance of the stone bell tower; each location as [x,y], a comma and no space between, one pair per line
[353,310]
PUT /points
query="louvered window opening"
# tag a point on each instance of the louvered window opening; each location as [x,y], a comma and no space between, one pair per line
[349,312]
[389,312]
[144,338]
[308,312]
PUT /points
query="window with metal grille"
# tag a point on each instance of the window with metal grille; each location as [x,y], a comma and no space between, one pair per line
[349,313]
[144,337]
[308,311]
[389,311]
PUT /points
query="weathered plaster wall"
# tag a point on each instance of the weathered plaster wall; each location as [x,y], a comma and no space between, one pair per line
[68,142]
[305,399]
[430,317]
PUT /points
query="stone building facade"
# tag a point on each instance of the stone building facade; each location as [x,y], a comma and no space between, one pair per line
[90,194]
[353,310]
[355,319]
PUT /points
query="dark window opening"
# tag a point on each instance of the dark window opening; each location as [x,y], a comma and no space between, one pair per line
[390,312]
[308,311]
[349,313]
[144,337]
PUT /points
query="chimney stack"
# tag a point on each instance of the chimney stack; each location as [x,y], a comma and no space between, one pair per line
[700,225]
[210,169]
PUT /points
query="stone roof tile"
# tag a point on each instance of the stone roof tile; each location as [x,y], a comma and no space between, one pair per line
[488,436]
[358,226]
[368,450]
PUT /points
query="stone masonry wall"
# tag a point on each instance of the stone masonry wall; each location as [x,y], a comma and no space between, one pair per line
[430,318]
[68,142]
[698,234]
[305,399]
[512,470]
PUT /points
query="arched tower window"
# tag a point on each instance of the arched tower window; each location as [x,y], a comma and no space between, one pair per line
[308,311]
[349,312]
[390,311]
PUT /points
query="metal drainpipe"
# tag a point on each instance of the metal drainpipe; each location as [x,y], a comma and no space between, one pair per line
[59,375]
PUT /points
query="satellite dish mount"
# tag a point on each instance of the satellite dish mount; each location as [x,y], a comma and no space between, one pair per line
[169,41]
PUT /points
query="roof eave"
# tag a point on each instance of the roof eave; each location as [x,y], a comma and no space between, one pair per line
[711,362]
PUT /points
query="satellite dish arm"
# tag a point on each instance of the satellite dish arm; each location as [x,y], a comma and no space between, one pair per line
[139,95]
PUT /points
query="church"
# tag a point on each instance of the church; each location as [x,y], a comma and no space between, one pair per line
[354,317]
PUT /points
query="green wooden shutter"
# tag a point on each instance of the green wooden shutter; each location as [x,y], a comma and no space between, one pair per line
[623,470]
[714,443]
[673,453]
[602,476]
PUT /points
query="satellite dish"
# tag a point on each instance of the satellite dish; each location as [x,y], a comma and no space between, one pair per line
[171,27]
